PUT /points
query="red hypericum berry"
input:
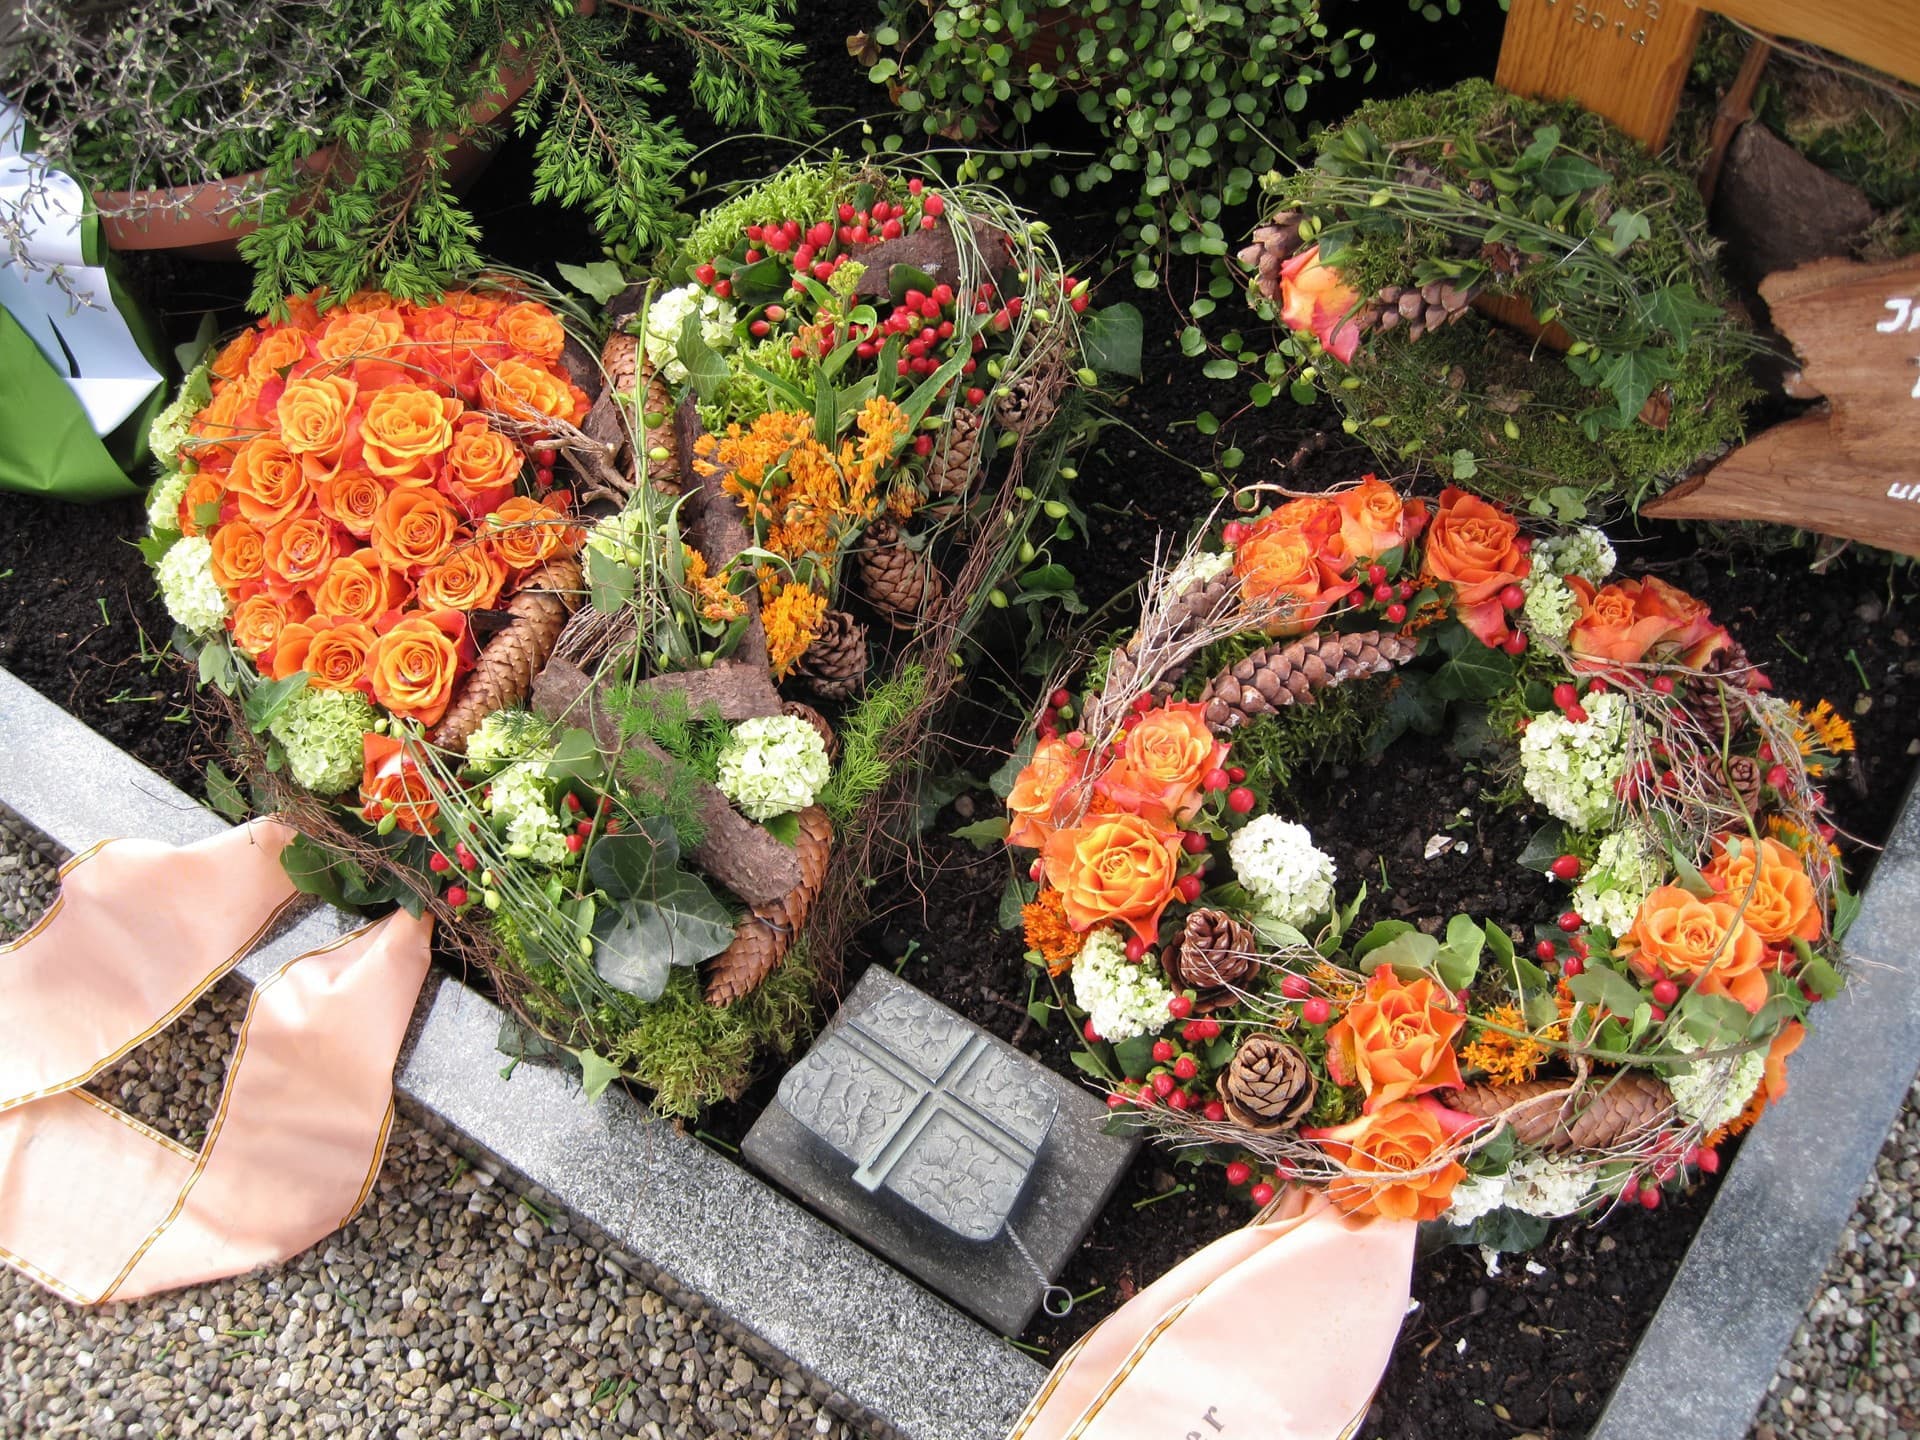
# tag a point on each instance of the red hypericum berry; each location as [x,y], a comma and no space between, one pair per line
[543,476]
[1295,987]
[975,395]
[439,863]
[1663,683]
[1233,532]
[891,230]
[1193,842]
[820,235]
[752,256]
[1193,1030]
[1376,573]
[1238,1172]
[1093,1035]
[1210,1029]
[1630,1193]
[1395,613]
[585,827]
[1404,589]
[1576,713]
[778,241]
[1142,704]
[1190,887]
[1546,950]
[1579,946]
[456,895]
[466,857]
[1383,592]
[1569,921]
[1567,867]
[1236,774]
[1184,1068]
[1650,1197]
[1213,1109]
[1572,965]
[1035,870]
[545,456]
[1515,643]
[1163,1084]
[1659,1016]
[1136,949]
[1777,777]
[1564,694]
[574,842]
[1240,800]
[1596,686]
[1078,304]
[1162,1051]
[1316,1011]
[1665,992]
[759,329]
[1076,739]
[1262,1194]
[613,826]
[1512,597]
[1115,1102]
[933,205]
[1145,1098]
[705,274]
[823,269]
[724,289]
[923,445]
[1179,1099]
[1180,1006]
[1215,779]
[1708,1161]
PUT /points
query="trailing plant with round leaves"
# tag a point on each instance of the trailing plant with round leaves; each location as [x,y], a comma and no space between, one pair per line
[1194,100]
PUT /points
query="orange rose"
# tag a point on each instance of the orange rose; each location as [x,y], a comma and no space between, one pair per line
[391,783]
[313,420]
[258,621]
[352,334]
[363,300]
[1044,786]
[1374,519]
[468,579]
[1314,298]
[533,330]
[1473,546]
[223,421]
[231,362]
[278,351]
[359,587]
[407,428]
[1703,943]
[1396,1040]
[1394,1159]
[526,532]
[1299,562]
[207,488]
[268,482]
[481,467]
[239,555]
[1162,762]
[414,530]
[1771,884]
[532,393]
[412,667]
[299,553]
[303,311]
[332,652]
[475,304]
[353,498]
[1611,628]
[1119,868]
[1773,1084]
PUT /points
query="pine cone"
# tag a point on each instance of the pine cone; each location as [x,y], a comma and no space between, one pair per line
[1215,954]
[1201,602]
[761,940]
[1730,666]
[504,672]
[835,664]
[1273,245]
[620,358]
[1611,1110]
[901,582]
[800,710]
[952,469]
[1281,675]
[1745,777]
[1032,398]
[1267,1086]
[648,404]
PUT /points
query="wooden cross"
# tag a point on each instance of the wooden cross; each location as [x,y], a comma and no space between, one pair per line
[1852,469]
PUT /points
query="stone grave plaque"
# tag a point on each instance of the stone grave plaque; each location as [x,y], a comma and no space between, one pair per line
[937,1145]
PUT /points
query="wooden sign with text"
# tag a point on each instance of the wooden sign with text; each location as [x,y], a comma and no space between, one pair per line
[1853,468]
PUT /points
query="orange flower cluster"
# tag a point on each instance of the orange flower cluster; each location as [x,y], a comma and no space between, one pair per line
[1509,1059]
[1307,551]
[358,501]
[1396,1040]
[1630,621]
[1048,932]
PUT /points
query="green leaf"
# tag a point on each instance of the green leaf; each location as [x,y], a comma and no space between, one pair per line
[602,279]
[1091,1064]
[1019,891]
[1382,933]
[1111,339]
[1569,174]
[1466,937]
[576,756]
[1629,226]
[1546,845]
[1472,671]
[903,277]
[637,945]
[626,865]
[596,1073]
[706,371]
[784,828]
[1465,467]
[1818,974]
[1220,368]
[522,1043]
[609,583]
[224,795]
[1276,934]
[1002,780]
[984,834]
[1411,955]
[1135,1056]
[1687,875]
[1633,376]
[1713,1020]
[1608,989]
[1509,1231]
[267,700]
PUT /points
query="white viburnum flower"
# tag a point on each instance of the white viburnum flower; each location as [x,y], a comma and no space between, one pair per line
[773,765]
[1122,1000]
[187,586]
[668,313]
[1624,870]
[1585,552]
[1277,863]
[519,799]
[1713,1092]
[163,501]
[322,732]
[1548,1186]
[1570,766]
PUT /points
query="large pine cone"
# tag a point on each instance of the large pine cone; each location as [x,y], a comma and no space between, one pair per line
[1280,675]
[643,395]
[1273,245]
[1268,1085]
[952,469]
[1214,954]
[835,664]
[504,672]
[1611,1110]
[761,940]
[1031,399]
[1729,666]
[1200,603]
[901,583]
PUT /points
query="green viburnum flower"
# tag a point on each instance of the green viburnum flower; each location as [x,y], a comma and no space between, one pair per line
[321,731]
[773,765]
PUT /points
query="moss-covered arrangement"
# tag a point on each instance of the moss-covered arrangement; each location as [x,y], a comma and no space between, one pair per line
[1419,207]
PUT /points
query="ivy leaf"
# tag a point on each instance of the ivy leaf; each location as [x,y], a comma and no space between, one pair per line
[784,828]
[602,279]
[984,834]
[266,701]
[1472,671]
[1633,375]
[626,865]
[683,923]
[1112,339]
[1019,891]
[706,371]
[224,795]
[1002,780]
[1678,311]
[596,1073]
[1569,174]
[1547,845]
[1628,227]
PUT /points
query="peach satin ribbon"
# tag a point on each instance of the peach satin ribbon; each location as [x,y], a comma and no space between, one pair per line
[96,1205]
[1280,1330]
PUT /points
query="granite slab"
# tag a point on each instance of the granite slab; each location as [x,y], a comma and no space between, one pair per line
[1073,1176]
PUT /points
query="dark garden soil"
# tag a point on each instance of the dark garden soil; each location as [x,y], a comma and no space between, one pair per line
[1536,1347]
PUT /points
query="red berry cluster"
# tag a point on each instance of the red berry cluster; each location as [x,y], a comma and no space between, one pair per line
[464,861]
[1314,1009]
[1239,1172]
[1644,1188]
[1180,1078]
[1389,594]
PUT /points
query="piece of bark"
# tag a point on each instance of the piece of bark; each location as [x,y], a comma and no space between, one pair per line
[735,691]
[741,855]
[933,251]
[716,526]
[1777,209]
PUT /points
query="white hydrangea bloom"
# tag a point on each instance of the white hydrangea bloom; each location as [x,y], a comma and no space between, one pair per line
[1199,567]
[321,731]
[668,313]
[1548,1186]
[772,765]
[1570,766]
[169,429]
[1122,1000]
[1585,552]
[1278,864]
[507,735]
[1626,868]
[163,501]
[185,577]
[1551,606]
[519,804]
[613,536]
[1712,1092]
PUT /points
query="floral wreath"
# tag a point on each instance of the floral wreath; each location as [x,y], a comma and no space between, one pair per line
[1458,1071]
